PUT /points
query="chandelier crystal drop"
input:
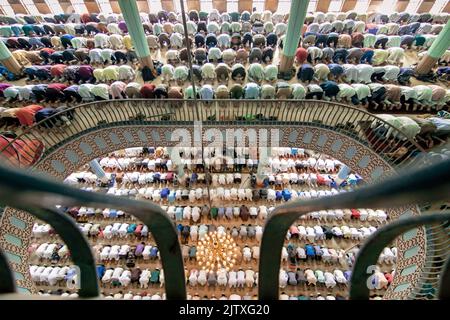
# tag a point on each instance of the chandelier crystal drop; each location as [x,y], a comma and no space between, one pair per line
[216,251]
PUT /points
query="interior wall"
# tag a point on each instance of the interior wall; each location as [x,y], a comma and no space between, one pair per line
[220,5]
[348,5]
[143,6]
[167,5]
[92,6]
[245,5]
[115,6]
[65,5]
[18,8]
[374,5]
[193,5]
[271,5]
[401,5]
[42,7]
[425,6]
[447,8]
[323,5]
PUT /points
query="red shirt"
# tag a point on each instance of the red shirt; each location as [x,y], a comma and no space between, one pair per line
[320,179]
[148,91]
[388,277]
[301,55]
[355,213]
[48,50]
[85,18]
[57,86]
[57,70]
[26,114]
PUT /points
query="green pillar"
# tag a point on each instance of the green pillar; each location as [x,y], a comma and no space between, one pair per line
[131,16]
[8,60]
[297,16]
[437,49]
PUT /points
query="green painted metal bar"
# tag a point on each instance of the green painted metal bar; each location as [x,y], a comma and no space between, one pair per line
[7,283]
[130,13]
[4,51]
[417,186]
[374,245]
[441,43]
[297,16]
[444,285]
[36,191]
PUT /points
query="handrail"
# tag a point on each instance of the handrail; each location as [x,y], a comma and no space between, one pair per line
[444,283]
[286,112]
[7,283]
[77,244]
[39,195]
[374,245]
[428,184]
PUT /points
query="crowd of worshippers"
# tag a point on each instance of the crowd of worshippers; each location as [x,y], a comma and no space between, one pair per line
[341,57]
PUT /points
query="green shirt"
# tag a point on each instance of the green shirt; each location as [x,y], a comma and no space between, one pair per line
[189,92]
[226,27]
[419,40]
[271,72]
[236,91]
[255,72]
[235,16]
[236,27]
[214,212]
[6,31]
[27,29]
[154,277]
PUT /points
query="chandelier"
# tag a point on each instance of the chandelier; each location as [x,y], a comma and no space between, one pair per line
[216,251]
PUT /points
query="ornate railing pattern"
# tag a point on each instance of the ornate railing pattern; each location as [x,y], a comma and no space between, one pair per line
[350,121]
[87,118]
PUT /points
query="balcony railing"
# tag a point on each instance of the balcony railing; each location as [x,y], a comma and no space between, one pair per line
[40,196]
[41,138]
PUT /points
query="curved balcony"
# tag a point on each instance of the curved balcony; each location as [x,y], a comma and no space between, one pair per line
[41,138]
[347,133]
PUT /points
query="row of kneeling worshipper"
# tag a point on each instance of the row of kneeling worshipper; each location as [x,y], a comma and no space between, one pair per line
[57,252]
[121,277]
[374,95]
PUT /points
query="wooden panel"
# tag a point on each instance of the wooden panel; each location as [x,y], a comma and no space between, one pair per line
[271,5]
[348,5]
[374,5]
[323,5]
[18,8]
[167,5]
[245,5]
[115,6]
[193,5]
[401,5]
[425,6]
[142,6]
[447,8]
[42,7]
[92,6]
[220,5]
[65,5]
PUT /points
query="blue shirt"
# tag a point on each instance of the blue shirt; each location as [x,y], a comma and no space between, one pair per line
[100,271]
[310,250]
[286,195]
[336,69]
[251,91]
[164,193]
[154,252]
